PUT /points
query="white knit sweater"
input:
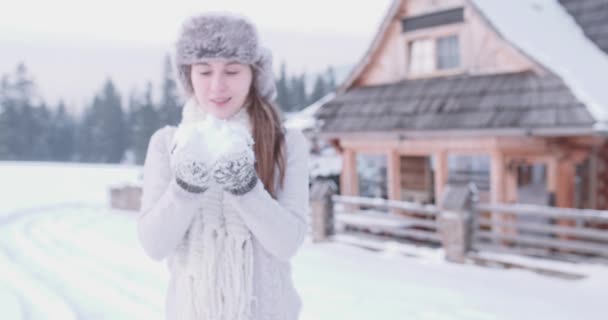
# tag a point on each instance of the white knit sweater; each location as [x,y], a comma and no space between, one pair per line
[278,226]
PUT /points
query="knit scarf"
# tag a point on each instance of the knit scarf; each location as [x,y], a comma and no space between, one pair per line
[217,261]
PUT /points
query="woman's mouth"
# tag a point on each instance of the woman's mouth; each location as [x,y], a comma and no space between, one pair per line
[220,102]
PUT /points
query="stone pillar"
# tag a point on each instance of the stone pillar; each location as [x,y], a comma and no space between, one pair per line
[322,217]
[455,221]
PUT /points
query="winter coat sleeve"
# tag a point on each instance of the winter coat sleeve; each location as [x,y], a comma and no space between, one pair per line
[166,210]
[281,225]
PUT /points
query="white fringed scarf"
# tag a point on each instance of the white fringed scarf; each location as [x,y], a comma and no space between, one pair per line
[217,262]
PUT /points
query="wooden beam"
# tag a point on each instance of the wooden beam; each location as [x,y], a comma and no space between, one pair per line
[393,172]
[497,176]
[497,185]
[428,146]
[510,183]
[552,174]
[565,182]
[511,195]
[564,195]
[349,182]
[593,179]
[441,174]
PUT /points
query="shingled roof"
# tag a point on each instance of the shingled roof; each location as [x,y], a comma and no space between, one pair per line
[494,101]
[569,97]
[592,17]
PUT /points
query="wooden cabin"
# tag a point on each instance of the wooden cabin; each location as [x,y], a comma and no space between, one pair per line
[505,94]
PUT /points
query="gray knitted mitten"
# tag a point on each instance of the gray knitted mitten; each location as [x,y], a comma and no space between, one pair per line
[190,161]
[236,173]
[192,176]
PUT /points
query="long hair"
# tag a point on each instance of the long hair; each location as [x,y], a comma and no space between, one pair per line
[269,137]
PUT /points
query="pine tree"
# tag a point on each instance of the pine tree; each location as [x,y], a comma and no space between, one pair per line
[145,122]
[24,87]
[5,120]
[169,111]
[21,114]
[84,135]
[4,135]
[297,93]
[320,89]
[61,136]
[112,125]
[40,129]
[283,89]
[103,133]
[331,79]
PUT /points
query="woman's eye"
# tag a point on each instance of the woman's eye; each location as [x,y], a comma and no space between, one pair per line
[205,73]
[232,73]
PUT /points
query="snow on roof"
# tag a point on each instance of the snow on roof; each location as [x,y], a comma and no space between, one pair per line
[304,119]
[325,165]
[547,33]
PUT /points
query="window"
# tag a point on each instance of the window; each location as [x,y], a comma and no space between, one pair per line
[422,59]
[371,169]
[463,169]
[429,55]
[448,53]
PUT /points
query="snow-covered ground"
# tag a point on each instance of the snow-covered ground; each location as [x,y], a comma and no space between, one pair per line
[65,255]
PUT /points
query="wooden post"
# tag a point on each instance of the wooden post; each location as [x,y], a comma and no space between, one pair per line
[393,171]
[510,186]
[565,183]
[497,184]
[349,184]
[565,191]
[441,173]
[552,174]
[593,179]
[497,177]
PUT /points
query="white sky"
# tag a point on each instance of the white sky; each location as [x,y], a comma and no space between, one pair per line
[127,39]
[158,21]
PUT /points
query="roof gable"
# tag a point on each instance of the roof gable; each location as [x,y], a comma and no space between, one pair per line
[387,57]
[546,32]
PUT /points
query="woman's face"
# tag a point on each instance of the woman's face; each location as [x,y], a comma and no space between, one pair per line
[221,86]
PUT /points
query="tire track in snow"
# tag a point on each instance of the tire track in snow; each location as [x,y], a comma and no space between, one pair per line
[114,262]
[71,274]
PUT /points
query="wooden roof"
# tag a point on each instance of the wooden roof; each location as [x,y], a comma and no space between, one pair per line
[494,101]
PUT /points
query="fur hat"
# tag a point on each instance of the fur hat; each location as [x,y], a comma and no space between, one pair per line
[223,35]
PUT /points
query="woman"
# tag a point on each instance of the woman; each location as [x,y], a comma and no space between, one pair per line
[225,195]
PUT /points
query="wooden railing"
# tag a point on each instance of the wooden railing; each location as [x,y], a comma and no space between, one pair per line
[386,219]
[557,233]
[464,228]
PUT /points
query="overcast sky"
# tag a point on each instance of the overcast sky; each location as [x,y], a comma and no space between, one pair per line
[71,46]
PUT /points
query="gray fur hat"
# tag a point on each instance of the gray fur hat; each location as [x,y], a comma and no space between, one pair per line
[223,35]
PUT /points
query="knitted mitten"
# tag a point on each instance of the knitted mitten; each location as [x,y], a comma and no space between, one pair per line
[236,173]
[233,167]
[190,159]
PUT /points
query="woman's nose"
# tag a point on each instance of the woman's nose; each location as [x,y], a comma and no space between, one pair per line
[218,83]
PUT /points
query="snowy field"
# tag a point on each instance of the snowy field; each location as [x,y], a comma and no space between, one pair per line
[65,255]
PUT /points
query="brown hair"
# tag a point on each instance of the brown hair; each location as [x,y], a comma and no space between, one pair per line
[269,146]
[267,132]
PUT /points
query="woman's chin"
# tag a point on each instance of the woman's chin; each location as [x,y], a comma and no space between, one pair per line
[221,113]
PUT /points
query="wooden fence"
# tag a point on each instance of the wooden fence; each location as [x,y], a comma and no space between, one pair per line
[379,218]
[530,230]
[548,232]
